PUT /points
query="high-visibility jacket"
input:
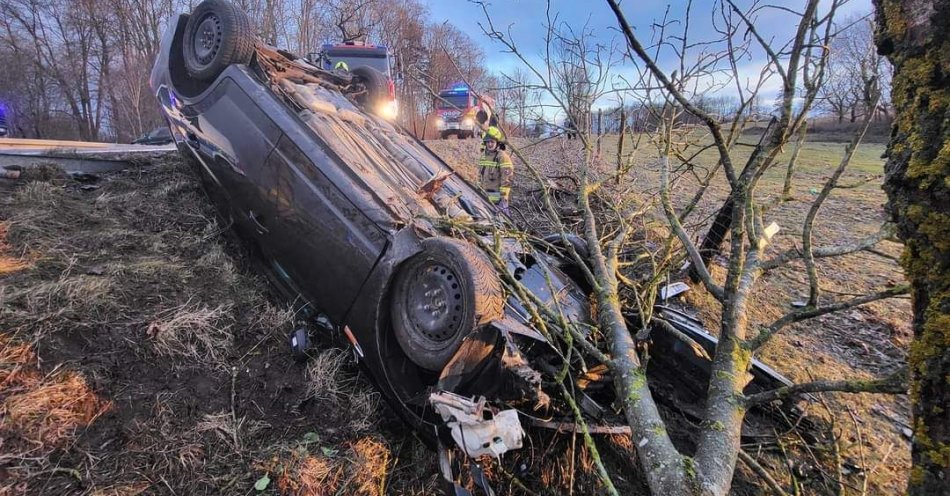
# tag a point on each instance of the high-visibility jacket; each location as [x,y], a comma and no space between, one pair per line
[496,172]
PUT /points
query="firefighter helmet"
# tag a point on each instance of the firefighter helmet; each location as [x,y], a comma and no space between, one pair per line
[341,66]
[493,133]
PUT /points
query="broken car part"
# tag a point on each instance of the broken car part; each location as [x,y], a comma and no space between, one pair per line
[472,432]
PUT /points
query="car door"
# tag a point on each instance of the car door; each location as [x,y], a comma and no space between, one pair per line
[318,235]
[233,137]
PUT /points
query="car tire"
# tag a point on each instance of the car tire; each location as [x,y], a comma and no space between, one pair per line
[217,35]
[377,88]
[445,134]
[440,296]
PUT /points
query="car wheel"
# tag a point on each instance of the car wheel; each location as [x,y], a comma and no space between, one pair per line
[446,134]
[440,295]
[377,88]
[217,35]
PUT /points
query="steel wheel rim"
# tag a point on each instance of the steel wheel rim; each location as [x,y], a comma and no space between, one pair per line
[207,39]
[434,304]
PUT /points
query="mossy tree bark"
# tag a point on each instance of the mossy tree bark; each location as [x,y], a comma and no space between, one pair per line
[913,36]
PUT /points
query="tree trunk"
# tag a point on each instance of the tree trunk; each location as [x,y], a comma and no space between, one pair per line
[912,34]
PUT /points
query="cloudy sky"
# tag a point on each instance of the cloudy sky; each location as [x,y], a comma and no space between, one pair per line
[526,20]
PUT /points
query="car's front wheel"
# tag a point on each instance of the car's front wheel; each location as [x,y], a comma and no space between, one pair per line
[217,35]
[440,295]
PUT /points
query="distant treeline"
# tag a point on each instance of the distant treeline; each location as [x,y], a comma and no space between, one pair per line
[78,69]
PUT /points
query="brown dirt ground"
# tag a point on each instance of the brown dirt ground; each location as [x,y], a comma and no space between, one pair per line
[135,304]
[140,355]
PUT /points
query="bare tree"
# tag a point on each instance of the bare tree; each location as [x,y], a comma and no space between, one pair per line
[670,99]
[136,34]
[67,42]
[852,61]
[351,19]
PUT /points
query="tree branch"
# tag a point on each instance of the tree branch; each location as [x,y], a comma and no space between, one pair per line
[762,472]
[694,256]
[812,312]
[885,232]
[896,383]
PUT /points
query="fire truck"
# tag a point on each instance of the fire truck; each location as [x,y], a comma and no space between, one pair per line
[352,55]
[461,112]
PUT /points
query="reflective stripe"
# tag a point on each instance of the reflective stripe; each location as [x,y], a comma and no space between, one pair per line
[505,189]
[488,163]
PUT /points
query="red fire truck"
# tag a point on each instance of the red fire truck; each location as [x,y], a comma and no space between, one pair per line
[461,112]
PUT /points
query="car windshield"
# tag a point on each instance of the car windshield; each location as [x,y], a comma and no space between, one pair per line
[453,101]
[357,57]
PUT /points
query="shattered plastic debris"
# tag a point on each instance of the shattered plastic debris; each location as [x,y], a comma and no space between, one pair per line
[475,435]
[671,290]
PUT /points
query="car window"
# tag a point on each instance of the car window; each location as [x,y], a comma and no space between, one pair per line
[356,57]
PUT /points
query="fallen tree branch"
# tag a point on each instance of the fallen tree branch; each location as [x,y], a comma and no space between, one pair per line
[895,383]
[694,256]
[812,312]
[885,232]
[762,472]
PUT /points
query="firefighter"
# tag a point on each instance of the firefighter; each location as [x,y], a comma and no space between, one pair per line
[495,169]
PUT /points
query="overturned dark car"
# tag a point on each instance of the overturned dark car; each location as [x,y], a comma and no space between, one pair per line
[365,227]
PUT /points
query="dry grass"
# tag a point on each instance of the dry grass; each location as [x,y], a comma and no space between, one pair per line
[133,489]
[193,331]
[330,381]
[362,468]
[15,359]
[49,411]
[9,263]
[325,378]
[39,413]
[138,289]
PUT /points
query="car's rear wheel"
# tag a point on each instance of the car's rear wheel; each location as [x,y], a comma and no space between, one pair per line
[217,35]
[440,296]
